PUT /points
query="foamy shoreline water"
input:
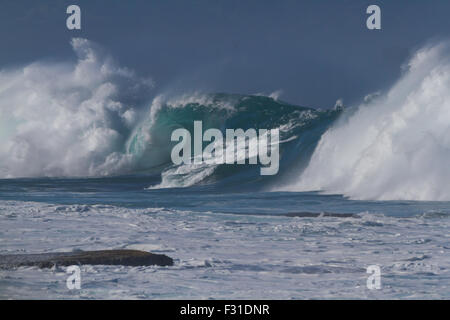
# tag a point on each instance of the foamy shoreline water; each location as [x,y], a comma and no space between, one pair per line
[225,255]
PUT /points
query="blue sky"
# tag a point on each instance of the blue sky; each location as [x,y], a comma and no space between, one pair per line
[314,51]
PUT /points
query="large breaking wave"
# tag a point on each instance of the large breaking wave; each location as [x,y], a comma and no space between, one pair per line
[93,118]
[68,119]
[394,147]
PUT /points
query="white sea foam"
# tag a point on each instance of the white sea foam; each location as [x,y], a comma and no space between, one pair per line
[68,119]
[88,117]
[396,145]
[225,256]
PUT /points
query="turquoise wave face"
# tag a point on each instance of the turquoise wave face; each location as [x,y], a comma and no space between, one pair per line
[300,130]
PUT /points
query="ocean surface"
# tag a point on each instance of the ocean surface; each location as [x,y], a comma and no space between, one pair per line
[232,244]
[85,164]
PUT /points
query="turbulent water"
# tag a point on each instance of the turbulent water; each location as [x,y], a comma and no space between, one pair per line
[397,145]
[85,164]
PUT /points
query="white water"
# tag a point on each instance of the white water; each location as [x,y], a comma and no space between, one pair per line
[225,256]
[68,119]
[61,119]
[394,147]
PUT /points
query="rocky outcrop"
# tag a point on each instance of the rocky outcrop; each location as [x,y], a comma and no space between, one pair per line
[103,257]
[321,214]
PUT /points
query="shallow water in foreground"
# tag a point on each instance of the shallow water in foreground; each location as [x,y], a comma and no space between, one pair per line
[226,243]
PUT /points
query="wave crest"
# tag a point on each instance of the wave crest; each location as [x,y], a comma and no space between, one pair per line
[93,118]
[68,119]
[394,147]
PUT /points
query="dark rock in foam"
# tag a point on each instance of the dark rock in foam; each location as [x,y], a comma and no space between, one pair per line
[103,257]
[321,214]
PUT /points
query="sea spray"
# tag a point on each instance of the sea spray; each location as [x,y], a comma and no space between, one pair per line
[394,147]
[93,118]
